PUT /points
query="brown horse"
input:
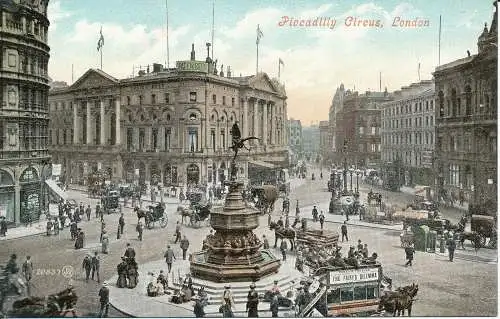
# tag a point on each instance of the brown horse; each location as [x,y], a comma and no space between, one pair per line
[283,233]
[398,301]
[185,212]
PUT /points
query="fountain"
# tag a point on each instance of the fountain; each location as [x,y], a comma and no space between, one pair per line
[233,253]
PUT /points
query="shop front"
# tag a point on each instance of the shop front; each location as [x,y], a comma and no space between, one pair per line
[7,196]
[30,196]
[193,174]
[353,291]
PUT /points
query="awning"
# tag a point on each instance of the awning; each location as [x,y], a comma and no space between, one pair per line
[262,163]
[56,189]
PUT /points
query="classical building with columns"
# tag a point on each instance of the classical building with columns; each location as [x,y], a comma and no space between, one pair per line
[24,121]
[168,126]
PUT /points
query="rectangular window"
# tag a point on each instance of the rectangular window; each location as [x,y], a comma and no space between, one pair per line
[142,134]
[214,99]
[232,101]
[153,99]
[130,138]
[223,139]
[141,98]
[167,98]
[346,294]
[212,138]
[168,133]
[371,292]
[361,130]
[360,293]
[155,138]
[223,100]
[374,130]
[192,96]
[193,139]
[333,296]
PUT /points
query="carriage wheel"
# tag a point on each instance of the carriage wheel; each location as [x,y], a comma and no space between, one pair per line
[163,222]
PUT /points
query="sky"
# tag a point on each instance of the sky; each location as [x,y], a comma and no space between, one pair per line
[317,59]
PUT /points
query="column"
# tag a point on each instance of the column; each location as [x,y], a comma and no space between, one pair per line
[117,124]
[161,141]
[76,132]
[148,137]
[255,118]
[17,203]
[245,117]
[103,125]
[272,123]
[264,123]
[89,125]
[135,139]
[204,124]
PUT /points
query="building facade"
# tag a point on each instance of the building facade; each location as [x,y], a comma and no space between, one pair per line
[408,135]
[335,107]
[357,129]
[24,110]
[466,120]
[295,139]
[324,140]
[310,142]
[167,126]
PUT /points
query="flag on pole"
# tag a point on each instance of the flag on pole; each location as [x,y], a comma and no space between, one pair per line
[100,42]
[260,34]
[281,62]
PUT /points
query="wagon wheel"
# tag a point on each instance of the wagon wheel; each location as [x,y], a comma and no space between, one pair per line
[163,221]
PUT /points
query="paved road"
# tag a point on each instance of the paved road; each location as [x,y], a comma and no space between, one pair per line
[465,287]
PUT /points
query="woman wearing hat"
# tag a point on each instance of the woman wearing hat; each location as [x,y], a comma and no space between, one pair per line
[252,302]
[227,303]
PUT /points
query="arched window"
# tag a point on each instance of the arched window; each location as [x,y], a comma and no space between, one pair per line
[441,103]
[454,103]
[468,100]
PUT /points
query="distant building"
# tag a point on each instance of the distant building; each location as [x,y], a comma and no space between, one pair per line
[408,135]
[357,128]
[310,142]
[335,107]
[24,110]
[466,120]
[295,138]
[324,140]
[167,126]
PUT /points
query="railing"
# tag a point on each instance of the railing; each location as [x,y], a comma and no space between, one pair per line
[7,155]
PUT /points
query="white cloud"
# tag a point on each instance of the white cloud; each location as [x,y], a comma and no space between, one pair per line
[56,13]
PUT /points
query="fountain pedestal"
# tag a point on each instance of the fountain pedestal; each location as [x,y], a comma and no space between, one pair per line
[233,253]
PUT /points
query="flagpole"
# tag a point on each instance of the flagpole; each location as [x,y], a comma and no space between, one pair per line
[168,46]
[213,27]
[439,42]
[257,66]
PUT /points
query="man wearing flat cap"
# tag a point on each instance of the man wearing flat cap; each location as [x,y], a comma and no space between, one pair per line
[252,302]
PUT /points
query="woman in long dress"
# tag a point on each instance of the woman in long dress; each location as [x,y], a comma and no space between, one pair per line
[105,242]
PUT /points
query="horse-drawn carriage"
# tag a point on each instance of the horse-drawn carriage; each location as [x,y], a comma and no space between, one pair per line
[485,227]
[54,305]
[96,184]
[343,204]
[264,197]
[155,213]
[110,202]
[377,197]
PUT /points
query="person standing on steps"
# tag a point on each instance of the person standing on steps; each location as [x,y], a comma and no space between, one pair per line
[321,219]
[265,242]
[252,302]
[315,214]
[343,229]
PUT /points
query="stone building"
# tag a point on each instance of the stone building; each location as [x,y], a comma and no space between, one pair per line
[335,107]
[408,134]
[310,142]
[357,128]
[295,138]
[324,140]
[466,121]
[169,126]
[24,109]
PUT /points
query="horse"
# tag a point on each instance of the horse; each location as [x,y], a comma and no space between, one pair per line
[398,301]
[185,212]
[267,196]
[474,238]
[141,213]
[283,233]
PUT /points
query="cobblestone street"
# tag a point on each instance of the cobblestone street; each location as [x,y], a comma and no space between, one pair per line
[465,287]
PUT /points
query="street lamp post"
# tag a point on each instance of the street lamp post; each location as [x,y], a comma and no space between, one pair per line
[358,173]
[351,171]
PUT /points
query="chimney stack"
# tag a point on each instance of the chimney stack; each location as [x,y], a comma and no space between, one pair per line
[228,73]
[221,70]
[192,52]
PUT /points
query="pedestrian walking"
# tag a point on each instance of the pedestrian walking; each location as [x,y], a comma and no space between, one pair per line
[28,269]
[104,300]
[97,210]
[103,228]
[410,252]
[105,243]
[3,227]
[321,219]
[265,242]
[177,232]
[184,246]
[274,306]
[13,273]
[227,303]
[121,223]
[252,302]
[169,258]
[87,266]
[343,230]
[140,229]
[129,252]
[88,211]
[315,214]
[96,263]
[181,196]
[452,245]
[283,248]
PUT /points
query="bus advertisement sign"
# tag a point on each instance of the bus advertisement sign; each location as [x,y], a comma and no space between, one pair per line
[354,275]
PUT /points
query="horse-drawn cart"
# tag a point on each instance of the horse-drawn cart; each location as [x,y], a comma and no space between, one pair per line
[110,202]
[485,227]
[156,214]
[55,305]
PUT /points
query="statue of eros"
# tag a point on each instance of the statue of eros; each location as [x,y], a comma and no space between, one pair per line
[237,143]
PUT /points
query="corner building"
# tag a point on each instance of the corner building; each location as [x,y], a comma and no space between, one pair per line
[24,109]
[169,126]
